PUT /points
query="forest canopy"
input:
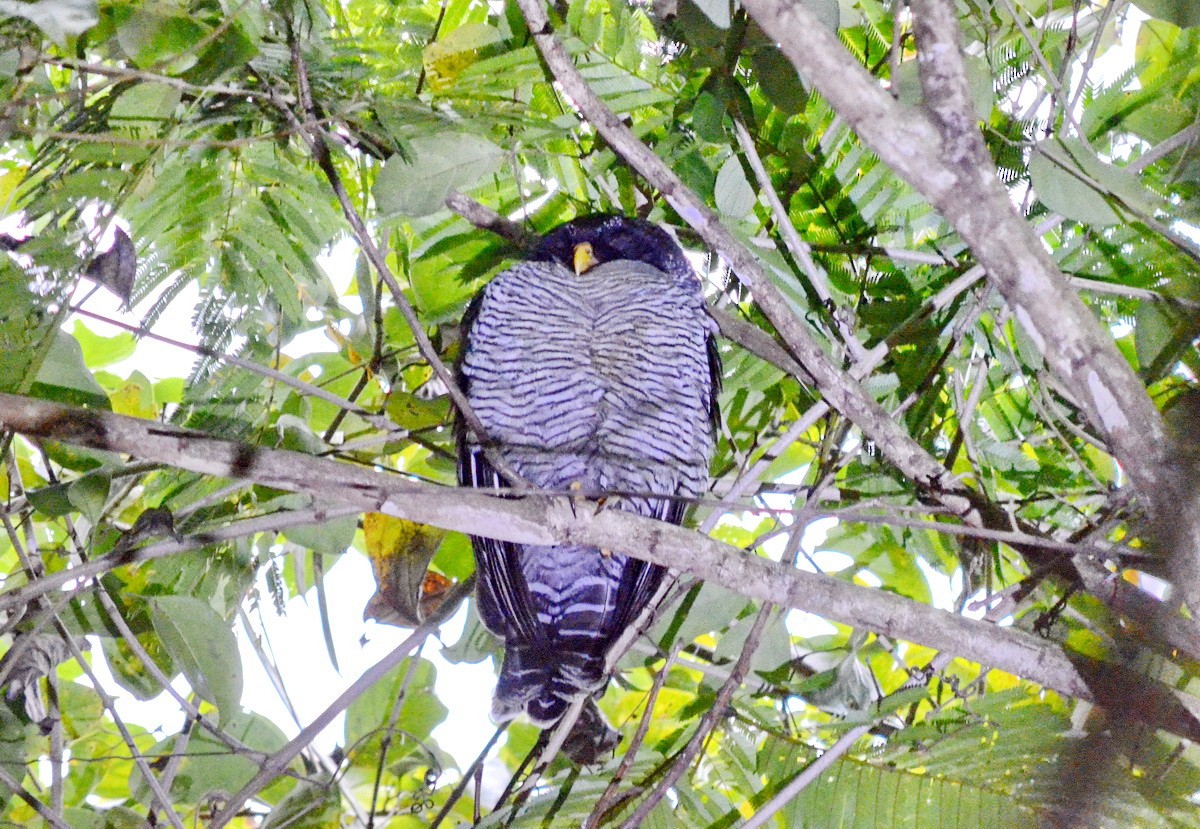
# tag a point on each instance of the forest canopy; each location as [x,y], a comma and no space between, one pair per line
[948,569]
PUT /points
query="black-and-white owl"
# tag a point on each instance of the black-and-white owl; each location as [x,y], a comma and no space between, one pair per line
[594,369]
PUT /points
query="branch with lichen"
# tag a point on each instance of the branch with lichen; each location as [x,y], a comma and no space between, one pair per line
[913,140]
[534,518]
[939,150]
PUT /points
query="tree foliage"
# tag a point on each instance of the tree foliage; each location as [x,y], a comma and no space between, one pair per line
[210,154]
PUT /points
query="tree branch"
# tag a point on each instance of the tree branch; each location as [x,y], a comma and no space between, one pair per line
[533,518]
[275,764]
[940,152]
[840,390]
[44,812]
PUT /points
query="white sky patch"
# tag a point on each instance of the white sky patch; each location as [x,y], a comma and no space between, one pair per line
[944,588]
[298,645]
[161,715]
[869,579]
[807,625]
[156,360]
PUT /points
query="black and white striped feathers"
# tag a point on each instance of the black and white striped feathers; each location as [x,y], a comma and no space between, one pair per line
[600,383]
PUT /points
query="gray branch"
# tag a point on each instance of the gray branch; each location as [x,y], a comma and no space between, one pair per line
[544,519]
[940,152]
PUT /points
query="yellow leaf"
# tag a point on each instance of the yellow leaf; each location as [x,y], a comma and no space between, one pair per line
[134,399]
[446,58]
[400,552]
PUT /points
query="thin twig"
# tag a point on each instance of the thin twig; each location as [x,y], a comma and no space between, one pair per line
[552,744]
[1106,15]
[475,766]
[160,797]
[164,549]
[125,73]
[379,421]
[38,806]
[275,764]
[810,774]
[385,743]
[799,249]
[593,820]
[707,723]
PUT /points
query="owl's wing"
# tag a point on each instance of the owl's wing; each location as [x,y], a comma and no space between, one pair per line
[502,592]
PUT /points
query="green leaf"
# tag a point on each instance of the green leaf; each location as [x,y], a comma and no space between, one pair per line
[448,56]
[209,766]
[733,194]
[708,115]
[712,609]
[715,10]
[65,378]
[59,19]
[1153,333]
[455,557]
[311,804]
[145,103]
[1183,13]
[51,501]
[83,818]
[331,538]
[418,184]
[99,351]
[152,36]
[774,647]
[368,717]
[203,646]
[89,494]
[17,738]
[130,672]
[295,434]
[778,79]
[1071,180]
[475,644]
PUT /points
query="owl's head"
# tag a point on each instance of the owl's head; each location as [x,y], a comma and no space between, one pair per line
[583,243]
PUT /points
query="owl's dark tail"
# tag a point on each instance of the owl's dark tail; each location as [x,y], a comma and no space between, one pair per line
[543,680]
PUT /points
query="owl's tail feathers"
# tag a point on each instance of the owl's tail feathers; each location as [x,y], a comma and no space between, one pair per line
[543,681]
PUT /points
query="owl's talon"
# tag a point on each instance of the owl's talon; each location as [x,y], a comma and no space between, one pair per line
[576,487]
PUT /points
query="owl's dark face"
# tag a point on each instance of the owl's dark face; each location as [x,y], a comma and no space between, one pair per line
[608,238]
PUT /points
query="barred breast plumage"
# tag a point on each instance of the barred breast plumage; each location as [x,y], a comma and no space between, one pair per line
[599,383]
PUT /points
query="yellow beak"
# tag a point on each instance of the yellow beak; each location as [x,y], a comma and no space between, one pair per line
[584,258]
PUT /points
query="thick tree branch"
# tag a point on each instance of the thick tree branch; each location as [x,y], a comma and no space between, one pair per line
[541,519]
[910,141]
[941,153]
[837,388]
